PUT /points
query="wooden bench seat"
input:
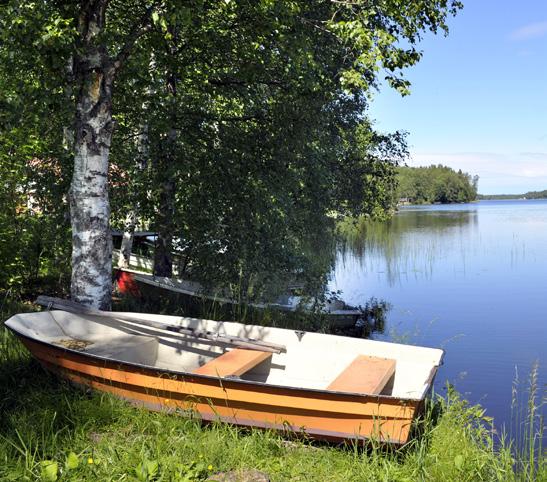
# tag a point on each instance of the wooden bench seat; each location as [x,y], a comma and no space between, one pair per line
[365,374]
[233,363]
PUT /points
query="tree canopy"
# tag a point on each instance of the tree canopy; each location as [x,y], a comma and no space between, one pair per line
[435,184]
[234,129]
[526,195]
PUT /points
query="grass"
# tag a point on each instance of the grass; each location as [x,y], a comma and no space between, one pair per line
[51,431]
[527,430]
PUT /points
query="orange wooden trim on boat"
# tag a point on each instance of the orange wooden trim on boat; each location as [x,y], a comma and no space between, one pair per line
[215,388]
[321,414]
[233,363]
[365,374]
[310,422]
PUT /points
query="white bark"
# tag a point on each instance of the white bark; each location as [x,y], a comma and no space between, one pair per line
[94,72]
[91,282]
[127,239]
[89,202]
[134,211]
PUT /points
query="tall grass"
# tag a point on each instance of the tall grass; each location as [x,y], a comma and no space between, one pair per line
[10,351]
[527,428]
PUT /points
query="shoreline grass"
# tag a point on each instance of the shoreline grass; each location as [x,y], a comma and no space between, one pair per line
[52,431]
[527,429]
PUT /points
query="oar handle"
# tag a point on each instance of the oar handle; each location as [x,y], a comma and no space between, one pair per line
[78,308]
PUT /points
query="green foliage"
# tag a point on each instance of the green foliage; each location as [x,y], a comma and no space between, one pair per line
[33,241]
[268,142]
[34,167]
[50,470]
[254,113]
[527,195]
[527,429]
[72,461]
[147,470]
[435,184]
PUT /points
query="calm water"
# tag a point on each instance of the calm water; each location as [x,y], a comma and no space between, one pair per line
[469,278]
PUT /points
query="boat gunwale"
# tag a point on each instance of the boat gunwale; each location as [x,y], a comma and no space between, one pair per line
[379,397]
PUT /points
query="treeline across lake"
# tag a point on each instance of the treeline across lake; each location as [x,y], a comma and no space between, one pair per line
[435,184]
[527,195]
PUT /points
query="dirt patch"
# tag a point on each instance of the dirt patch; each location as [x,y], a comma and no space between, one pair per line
[73,344]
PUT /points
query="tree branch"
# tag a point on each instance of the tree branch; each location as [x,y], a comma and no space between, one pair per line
[229,82]
[141,27]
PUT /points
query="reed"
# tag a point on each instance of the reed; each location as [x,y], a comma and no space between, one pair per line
[527,427]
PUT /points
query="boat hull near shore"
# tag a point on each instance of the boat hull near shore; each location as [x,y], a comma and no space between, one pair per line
[337,311]
[304,389]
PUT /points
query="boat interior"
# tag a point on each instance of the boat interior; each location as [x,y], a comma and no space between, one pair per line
[310,360]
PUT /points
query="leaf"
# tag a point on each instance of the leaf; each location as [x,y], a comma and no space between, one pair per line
[72,461]
[458,461]
[147,470]
[152,468]
[163,24]
[50,468]
[141,473]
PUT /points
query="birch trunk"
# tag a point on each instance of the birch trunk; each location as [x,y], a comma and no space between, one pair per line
[94,72]
[133,214]
[163,257]
[127,238]
[91,282]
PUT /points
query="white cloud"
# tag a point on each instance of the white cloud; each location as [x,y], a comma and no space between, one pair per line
[498,172]
[532,30]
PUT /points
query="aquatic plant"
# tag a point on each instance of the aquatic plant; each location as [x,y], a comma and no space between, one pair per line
[527,427]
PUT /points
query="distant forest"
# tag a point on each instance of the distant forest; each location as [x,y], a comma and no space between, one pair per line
[528,195]
[435,184]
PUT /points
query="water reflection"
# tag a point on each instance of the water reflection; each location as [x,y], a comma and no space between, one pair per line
[409,244]
[373,320]
[469,278]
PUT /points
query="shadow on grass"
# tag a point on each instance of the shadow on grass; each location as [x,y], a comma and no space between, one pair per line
[42,415]
[29,393]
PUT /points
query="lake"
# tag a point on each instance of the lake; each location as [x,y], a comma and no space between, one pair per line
[469,278]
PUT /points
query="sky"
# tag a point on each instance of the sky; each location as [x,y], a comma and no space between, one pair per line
[479,97]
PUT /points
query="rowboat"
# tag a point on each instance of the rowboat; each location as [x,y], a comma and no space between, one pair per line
[327,387]
[340,313]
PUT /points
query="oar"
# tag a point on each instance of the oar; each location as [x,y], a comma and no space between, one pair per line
[73,307]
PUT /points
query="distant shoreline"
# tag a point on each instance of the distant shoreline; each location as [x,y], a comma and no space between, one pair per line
[489,198]
[526,195]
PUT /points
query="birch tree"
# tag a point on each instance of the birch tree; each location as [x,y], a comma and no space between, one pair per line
[267,88]
[133,210]
[94,73]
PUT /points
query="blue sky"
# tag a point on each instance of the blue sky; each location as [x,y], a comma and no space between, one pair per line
[479,97]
